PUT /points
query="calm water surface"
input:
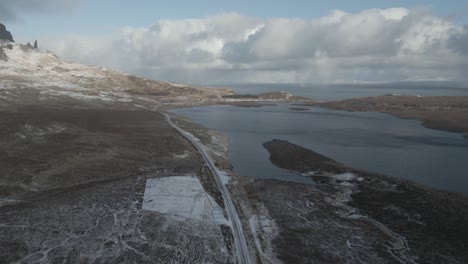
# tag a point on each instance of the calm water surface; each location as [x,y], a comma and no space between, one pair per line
[370,141]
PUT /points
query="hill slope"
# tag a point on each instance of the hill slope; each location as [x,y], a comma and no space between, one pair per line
[33,76]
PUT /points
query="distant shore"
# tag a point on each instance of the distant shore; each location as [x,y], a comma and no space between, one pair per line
[448,113]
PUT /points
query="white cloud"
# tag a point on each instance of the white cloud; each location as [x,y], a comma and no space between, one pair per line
[459,42]
[373,45]
[11,9]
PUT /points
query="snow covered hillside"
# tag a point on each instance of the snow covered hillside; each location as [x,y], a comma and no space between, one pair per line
[29,75]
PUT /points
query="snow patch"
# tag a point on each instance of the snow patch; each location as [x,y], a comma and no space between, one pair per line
[264,230]
[225,178]
[219,144]
[182,197]
[184,155]
[29,130]
[347,176]
[309,173]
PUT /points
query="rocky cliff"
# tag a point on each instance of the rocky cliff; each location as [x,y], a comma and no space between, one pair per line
[5,34]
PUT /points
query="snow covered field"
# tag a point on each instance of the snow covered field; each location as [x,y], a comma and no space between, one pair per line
[182,197]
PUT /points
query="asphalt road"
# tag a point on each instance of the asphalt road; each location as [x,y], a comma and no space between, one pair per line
[241,249]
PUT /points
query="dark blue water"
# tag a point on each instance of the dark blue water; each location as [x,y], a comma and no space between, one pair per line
[370,141]
[339,92]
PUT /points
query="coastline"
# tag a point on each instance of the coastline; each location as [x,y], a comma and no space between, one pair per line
[446,113]
[389,215]
[261,203]
[241,249]
[432,222]
[258,226]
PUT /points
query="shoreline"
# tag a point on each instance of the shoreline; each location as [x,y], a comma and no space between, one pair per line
[432,221]
[253,216]
[318,107]
[394,210]
[240,242]
[445,113]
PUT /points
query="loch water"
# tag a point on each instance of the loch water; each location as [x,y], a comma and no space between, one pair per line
[374,142]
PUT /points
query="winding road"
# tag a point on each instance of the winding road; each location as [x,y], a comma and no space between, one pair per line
[241,249]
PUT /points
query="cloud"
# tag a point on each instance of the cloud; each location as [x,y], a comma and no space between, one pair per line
[372,45]
[11,10]
[459,42]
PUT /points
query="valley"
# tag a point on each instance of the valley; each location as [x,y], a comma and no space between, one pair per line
[95,167]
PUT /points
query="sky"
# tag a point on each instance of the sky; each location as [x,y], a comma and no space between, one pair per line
[209,42]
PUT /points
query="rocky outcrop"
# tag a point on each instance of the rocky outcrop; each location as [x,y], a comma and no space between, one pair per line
[3,56]
[26,48]
[5,34]
[35,45]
